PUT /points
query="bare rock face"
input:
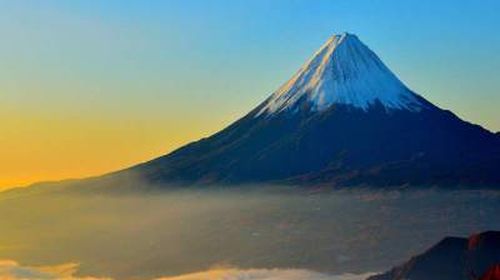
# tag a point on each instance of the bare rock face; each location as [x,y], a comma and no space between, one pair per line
[492,274]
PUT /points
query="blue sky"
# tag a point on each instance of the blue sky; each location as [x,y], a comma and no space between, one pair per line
[446,50]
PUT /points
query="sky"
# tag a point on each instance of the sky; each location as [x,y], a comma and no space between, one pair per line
[88,87]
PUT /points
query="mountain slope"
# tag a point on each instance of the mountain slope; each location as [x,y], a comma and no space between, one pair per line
[453,258]
[343,119]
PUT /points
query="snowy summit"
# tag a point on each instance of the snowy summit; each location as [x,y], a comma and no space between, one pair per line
[343,71]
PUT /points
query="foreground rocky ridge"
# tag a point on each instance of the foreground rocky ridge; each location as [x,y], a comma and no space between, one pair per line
[453,258]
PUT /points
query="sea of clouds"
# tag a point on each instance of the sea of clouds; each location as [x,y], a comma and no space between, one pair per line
[12,270]
[250,233]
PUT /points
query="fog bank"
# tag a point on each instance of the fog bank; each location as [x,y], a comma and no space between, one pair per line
[162,234]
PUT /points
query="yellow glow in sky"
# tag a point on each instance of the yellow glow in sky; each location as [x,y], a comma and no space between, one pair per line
[41,147]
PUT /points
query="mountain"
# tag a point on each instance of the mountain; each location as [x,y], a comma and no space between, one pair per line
[454,258]
[343,119]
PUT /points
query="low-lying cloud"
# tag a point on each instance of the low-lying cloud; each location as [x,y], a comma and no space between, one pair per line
[264,274]
[12,270]
[174,232]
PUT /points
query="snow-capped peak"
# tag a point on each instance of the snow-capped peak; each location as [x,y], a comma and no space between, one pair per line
[342,71]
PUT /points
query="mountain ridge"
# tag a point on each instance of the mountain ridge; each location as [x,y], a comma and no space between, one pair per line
[291,139]
[311,132]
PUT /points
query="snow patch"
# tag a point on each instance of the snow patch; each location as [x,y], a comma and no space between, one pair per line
[342,71]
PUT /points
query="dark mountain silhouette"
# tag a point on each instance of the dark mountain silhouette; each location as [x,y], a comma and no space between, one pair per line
[453,258]
[343,119]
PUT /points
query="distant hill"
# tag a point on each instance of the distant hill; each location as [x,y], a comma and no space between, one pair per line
[453,258]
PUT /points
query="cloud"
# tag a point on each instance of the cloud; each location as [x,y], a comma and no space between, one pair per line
[264,274]
[12,270]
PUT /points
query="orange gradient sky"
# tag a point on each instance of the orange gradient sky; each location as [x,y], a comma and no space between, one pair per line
[39,147]
[88,87]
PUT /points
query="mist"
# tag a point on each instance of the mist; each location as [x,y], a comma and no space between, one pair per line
[182,231]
